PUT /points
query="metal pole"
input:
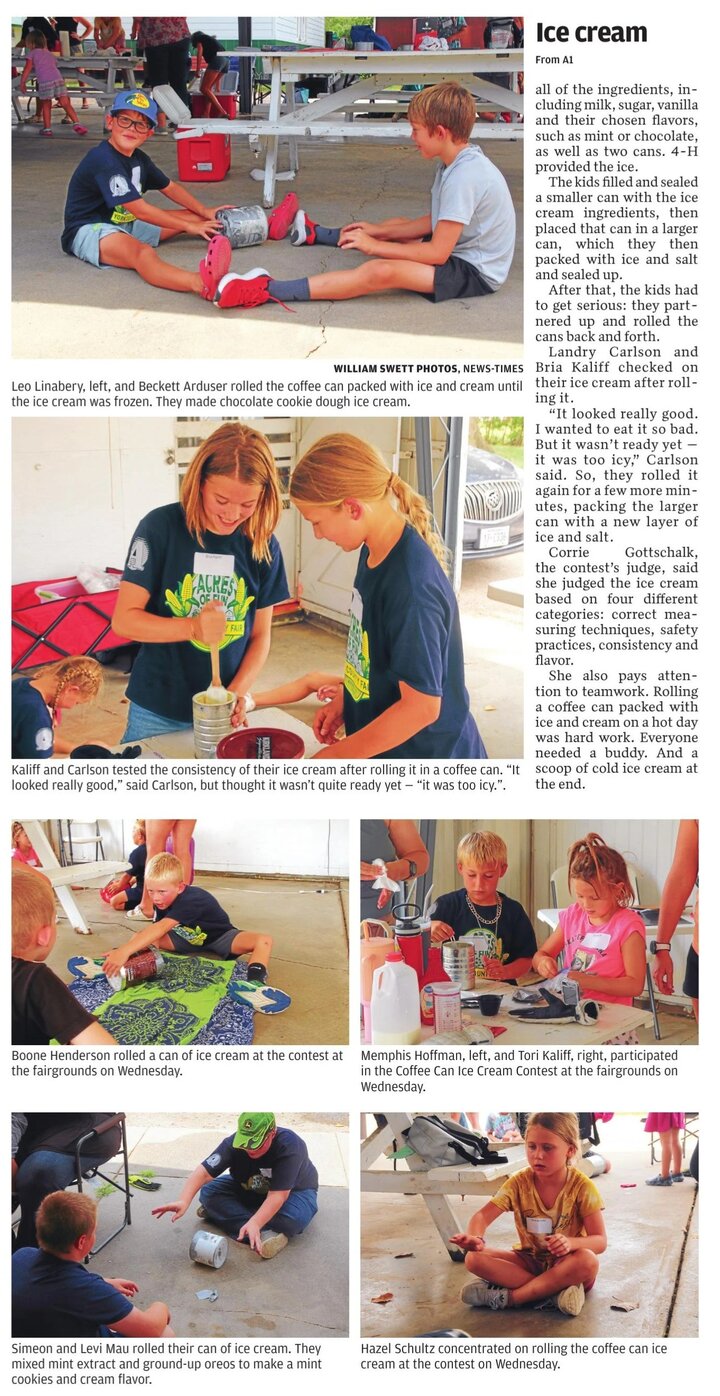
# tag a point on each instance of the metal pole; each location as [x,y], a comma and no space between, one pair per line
[245,68]
[454,501]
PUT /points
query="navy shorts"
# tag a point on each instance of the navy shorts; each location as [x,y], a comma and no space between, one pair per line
[691,983]
[219,945]
[457,280]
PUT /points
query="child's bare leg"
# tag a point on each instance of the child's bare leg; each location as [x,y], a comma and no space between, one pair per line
[208,92]
[497,1267]
[69,109]
[665,1152]
[578,1268]
[118,901]
[370,278]
[675,1151]
[121,250]
[45,109]
[257,947]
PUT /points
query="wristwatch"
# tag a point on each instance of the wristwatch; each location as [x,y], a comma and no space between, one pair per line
[412,868]
[656,945]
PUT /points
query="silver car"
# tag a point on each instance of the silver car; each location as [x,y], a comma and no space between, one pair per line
[493,520]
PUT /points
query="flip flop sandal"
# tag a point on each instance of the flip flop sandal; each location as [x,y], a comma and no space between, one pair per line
[143,1184]
[215,265]
[281,219]
[82,967]
[260,997]
[136,914]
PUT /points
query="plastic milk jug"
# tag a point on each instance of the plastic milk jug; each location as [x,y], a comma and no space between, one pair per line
[395,1004]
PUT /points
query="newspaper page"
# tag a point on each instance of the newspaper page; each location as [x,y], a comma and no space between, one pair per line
[360,407]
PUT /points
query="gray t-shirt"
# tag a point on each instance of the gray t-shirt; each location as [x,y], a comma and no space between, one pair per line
[472,191]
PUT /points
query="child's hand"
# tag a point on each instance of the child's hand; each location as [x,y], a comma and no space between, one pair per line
[494,968]
[357,241]
[545,966]
[329,720]
[327,691]
[200,227]
[113,963]
[210,624]
[178,1210]
[440,931]
[466,1242]
[558,1244]
[126,1287]
[360,227]
[238,716]
[251,1232]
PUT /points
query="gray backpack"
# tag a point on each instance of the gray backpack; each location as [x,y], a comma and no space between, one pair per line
[442,1142]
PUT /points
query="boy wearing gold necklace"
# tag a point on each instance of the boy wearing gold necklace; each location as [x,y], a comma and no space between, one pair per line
[499,926]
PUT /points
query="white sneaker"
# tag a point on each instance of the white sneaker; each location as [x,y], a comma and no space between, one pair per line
[570,1301]
[271,1242]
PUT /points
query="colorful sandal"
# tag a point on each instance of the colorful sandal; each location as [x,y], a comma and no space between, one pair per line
[215,265]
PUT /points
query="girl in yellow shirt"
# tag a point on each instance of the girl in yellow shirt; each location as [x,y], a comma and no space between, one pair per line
[558,1215]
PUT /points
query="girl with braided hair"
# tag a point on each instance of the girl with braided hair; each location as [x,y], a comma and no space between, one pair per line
[38,703]
[403,692]
[601,940]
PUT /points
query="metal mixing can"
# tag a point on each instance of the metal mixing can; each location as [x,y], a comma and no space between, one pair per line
[208,1249]
[458,958]
[147,964]
[244,226]
[211,722]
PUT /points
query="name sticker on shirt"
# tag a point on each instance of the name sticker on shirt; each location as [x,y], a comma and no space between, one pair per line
[214,565]
[596,940]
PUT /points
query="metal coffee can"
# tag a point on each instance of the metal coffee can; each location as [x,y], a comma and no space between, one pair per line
[147,964]
[208,1249]
[458,958]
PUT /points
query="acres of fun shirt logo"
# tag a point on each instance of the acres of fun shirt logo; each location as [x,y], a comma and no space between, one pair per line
[194,592]
[357,658]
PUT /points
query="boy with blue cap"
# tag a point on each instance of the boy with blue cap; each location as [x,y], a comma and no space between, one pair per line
[109,222]
[268,1188]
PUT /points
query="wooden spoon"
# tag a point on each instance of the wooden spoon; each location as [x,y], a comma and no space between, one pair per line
[216,692]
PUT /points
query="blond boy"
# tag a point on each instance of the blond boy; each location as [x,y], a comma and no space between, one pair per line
[502,932]
[189,920]
[43,1009]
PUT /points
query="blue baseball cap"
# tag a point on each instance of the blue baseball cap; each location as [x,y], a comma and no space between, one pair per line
[136,101]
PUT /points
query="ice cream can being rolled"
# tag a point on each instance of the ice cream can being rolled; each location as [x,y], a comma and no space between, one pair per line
[458,958]
[447,1009]
[147,964]
[208,1249]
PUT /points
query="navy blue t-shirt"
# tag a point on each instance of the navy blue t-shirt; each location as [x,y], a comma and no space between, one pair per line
[103,182]
[32,726]
[137,859]
[513,938]
[198,912]
[163,558]
[53,1298]
[405,628]
[285,1167]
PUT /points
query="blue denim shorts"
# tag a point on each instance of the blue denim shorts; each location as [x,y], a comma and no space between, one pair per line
[86,243]
[142,723]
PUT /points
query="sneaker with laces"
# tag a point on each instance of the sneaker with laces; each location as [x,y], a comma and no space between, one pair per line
[270,1243]
[303,229]
[245,291]
[480,1294]
[570,1301]
[200,1212]
[281,219]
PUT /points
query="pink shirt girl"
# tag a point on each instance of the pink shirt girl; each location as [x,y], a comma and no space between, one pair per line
[598,949]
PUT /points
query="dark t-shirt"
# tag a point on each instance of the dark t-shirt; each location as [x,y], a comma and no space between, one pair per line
[58,1133]
[199,912]
[512,939]
[137,859]
[53,1298]
[43,1007]
[285,1167]
[210,46]
[42,23]
[32,728]
[163,558]
[405,627]
[102,184]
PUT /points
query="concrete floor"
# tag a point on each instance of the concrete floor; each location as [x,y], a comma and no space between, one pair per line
[652,1253]
[71,310]
[492,636]
[309,959]
[301,1293]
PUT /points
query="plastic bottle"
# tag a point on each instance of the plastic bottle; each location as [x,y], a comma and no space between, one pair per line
[395,1004]
[434,974]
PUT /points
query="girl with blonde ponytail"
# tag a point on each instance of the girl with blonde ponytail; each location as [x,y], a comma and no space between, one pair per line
[205,571]
[37,705]
[403,693]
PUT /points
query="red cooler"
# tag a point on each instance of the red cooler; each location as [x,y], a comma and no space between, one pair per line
[227,100]
[203,158]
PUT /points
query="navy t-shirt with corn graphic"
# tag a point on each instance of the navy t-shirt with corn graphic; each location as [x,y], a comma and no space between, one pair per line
[181,576]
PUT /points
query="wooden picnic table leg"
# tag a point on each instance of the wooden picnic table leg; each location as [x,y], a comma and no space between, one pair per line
[49,860]
[293,161]
[271,153]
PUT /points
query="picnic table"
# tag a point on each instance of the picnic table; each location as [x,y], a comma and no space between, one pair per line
[370,75]
[180,746]
[98,73]
[615,1018]
[434,1185]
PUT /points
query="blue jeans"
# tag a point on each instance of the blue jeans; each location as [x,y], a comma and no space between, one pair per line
[40,1173]
[230,1206]
[141,723]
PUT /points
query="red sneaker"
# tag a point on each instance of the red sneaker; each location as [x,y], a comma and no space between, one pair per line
[303,230]
[245,291]
[281,219]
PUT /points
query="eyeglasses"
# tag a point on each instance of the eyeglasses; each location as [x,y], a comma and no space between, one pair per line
[126,123]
